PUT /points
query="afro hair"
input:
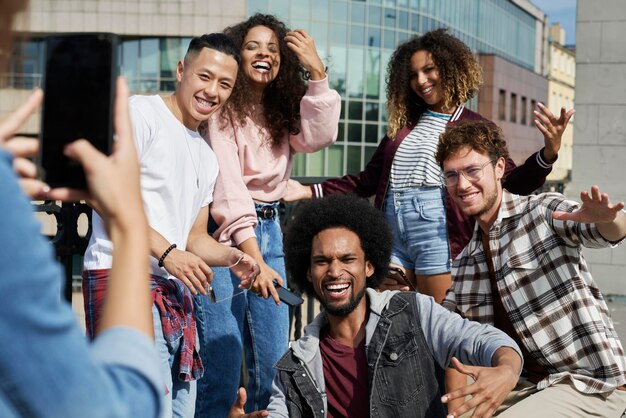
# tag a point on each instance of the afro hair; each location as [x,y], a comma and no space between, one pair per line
[336,211]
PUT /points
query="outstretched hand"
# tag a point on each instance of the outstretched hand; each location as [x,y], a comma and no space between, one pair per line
[490,388]
[595,209]
[236,411]
[303,46]
[552,128]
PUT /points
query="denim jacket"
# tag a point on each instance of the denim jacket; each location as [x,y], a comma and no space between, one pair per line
[409,341]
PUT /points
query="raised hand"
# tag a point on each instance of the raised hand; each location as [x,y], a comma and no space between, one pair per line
[22,147]
[297,191]
[236,411]
[303,46]
[491,386]
[595,209]
[552,128]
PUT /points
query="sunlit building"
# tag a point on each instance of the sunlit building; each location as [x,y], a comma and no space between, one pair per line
[355,38]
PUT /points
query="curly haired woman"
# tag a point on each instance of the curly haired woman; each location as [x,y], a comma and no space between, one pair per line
[272,114]
[429,78]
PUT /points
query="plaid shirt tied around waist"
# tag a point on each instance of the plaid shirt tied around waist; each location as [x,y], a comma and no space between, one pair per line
[175,305]
[174,302]
[547,290]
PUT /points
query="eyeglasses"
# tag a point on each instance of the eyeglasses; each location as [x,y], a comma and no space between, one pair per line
[471,173]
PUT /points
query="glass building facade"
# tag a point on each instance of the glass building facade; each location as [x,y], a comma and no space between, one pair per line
[355,39]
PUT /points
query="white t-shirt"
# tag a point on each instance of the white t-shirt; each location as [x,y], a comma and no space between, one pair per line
[178,173]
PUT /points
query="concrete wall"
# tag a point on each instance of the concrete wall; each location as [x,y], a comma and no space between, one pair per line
[140,17]
[600,127]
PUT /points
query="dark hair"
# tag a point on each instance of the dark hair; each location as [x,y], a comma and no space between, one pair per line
[482,136]
[216,41]
[336,211]
[459,72]
[281,98]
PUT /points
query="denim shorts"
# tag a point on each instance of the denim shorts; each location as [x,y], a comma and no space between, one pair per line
[417,217]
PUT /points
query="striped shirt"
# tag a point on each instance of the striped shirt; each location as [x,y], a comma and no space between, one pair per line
[547,290]
[414,164]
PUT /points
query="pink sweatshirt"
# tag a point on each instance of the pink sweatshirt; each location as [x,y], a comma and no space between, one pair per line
[250,168]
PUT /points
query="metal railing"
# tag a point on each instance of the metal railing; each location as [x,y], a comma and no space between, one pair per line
[70,246]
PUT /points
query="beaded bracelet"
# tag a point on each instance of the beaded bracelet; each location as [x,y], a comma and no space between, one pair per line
[170,248]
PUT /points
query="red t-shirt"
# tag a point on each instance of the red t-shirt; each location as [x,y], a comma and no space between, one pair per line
[345,375]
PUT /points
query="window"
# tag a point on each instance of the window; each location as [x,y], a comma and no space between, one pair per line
[524,111]
[513,115]
[533,107]
[502,105]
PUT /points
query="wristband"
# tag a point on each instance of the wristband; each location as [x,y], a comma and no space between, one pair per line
[170,248]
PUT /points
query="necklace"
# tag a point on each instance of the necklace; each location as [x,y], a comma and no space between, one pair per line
[185,136]
[193,164]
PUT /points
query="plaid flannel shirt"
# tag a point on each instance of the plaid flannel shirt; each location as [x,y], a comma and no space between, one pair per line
[547,290]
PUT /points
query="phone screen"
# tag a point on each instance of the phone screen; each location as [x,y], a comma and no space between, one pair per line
[79,87]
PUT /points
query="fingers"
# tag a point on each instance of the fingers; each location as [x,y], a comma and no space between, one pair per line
[391,284]
[22,147]
[462,368]
[67,195]
[242,397]
[85,153]
[35,189]
[25,168]
[12,123]
[208,274]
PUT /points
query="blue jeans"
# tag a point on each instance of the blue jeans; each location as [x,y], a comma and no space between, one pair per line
[180,398]
[417,217]
[245,323]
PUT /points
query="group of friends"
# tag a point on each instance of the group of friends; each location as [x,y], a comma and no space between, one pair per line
[491,309]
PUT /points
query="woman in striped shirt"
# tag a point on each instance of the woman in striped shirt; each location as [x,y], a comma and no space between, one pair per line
[429,79]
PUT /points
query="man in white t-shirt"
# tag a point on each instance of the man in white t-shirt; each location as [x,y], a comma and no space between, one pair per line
[178,172]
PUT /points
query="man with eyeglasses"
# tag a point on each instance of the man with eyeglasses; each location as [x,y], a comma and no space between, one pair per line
[523,272]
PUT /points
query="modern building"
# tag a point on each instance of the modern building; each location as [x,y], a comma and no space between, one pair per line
[561,93]
[599,154]
[355,37]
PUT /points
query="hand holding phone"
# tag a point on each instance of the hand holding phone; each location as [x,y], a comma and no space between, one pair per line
[79,89]
[287,296]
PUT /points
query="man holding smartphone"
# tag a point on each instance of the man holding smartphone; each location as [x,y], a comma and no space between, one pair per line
[178,172]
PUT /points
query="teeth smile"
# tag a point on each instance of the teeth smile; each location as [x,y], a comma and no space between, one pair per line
[261,66]
[469,196]
[203,102]
[338,287]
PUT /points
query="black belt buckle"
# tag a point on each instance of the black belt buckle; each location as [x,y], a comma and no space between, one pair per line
[266,212]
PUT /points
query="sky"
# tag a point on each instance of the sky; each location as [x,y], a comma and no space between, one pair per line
[563,12]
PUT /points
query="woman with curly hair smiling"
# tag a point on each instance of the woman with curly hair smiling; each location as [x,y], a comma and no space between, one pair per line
[429,78]
[272,114]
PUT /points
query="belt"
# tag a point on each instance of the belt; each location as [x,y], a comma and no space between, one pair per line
[266,212]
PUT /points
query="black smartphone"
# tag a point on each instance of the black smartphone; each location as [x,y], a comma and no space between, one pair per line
[287,296]
[397,274]
[79,91]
